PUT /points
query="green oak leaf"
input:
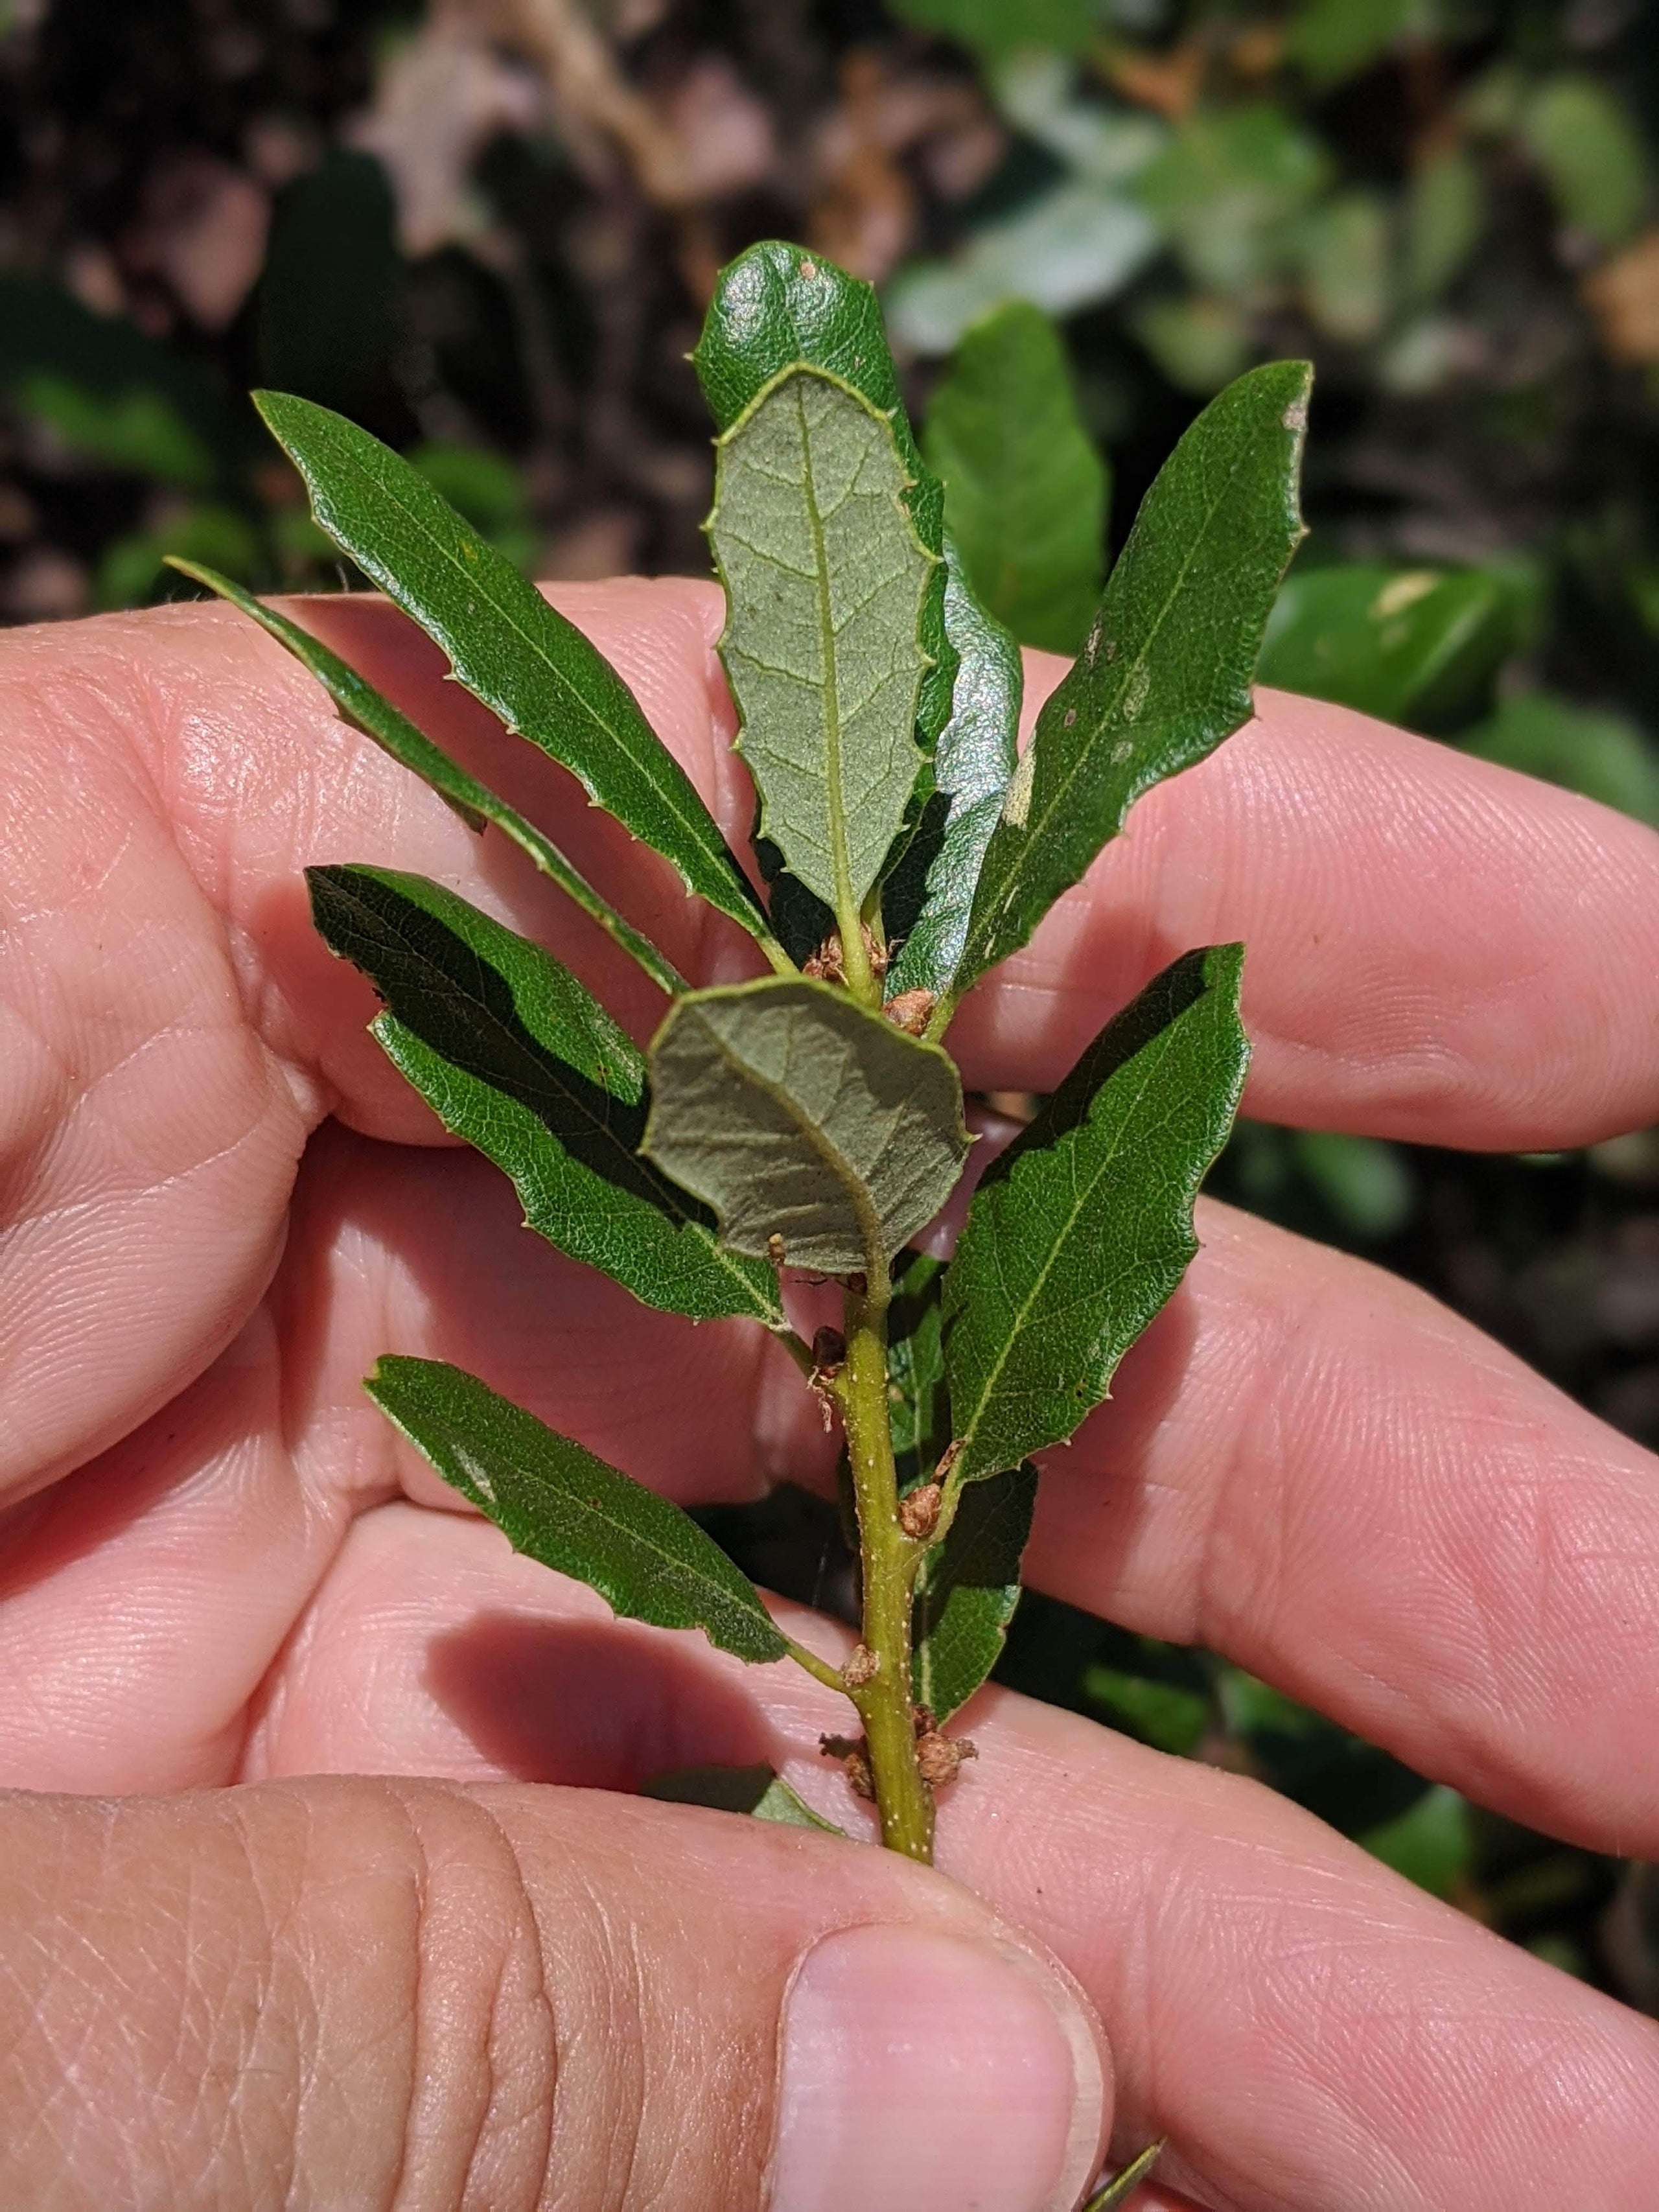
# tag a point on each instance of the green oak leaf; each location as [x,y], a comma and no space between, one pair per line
[511,649]
[968,1590]
[557,1503]
[1024,484]
[1083,1228]
[799,1113]
[824,577]
[1414,646]
[514,1055]
[1165,675]
[369,711]
[760,1791]
[918,1414]
[927,901]
[775,306]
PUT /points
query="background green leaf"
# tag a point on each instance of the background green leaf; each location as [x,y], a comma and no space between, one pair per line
[774,306]
[528,664]
[1415,646]
[926,901]
[1585,748]
[557,1503]
[824,579]
[968,1590]
[918,1411]
[1082,1228]
[514,1055]
[796,1112]
[1582,138]
[1024,486]
[1165,673]
[367,710]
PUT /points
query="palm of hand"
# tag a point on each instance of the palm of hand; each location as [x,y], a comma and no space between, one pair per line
[219,1565]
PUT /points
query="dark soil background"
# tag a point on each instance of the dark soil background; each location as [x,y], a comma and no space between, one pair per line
[488,228]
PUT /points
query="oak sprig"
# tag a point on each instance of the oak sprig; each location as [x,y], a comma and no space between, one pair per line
[811,1119]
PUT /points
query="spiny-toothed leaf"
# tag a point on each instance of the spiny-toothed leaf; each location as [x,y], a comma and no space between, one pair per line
[777,304]
[1024,484]
[1082,1228]
[528,665]
[369,711]
[797,1113]
[918,1409]
[1164,674]
[968,1590]
[514,1055]
[824,579]
[760,1791]
[557,1503]
[971,768]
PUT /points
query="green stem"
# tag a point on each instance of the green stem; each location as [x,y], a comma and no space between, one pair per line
[889,1558]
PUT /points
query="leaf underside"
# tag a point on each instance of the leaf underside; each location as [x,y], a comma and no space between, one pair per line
[1080,1232]
[1164,674]
[927,901]
[796,1113]
[775,306]
[511,649]
[825,579]
[369,711]
[515,1055]
[559,1503]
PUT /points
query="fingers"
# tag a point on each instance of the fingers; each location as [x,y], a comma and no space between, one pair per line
[1312,2035]
[1313,1468]
[339,1992]
[1438,950]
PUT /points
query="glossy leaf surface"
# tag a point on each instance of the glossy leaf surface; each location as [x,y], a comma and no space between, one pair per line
[369,711]
[774,306]
[1165,673]
[968,1590]
[972,765]
[797,1113]
[1082,1228]
[825,579]
[507,645]
[559,1503]
[515,1055]
[1025,485]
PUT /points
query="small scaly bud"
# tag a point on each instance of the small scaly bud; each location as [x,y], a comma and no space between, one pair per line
[854,1761]
[863,1665]
[909,1011]
[939,1757]
[775,1249]
[918,1511]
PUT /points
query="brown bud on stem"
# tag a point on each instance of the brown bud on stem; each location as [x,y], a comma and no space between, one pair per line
[918,1511]
[910,1011]
[863,1665]
[939,1757]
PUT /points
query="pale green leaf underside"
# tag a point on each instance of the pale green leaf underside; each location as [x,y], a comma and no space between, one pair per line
[513,1054]
[506,644]
[559,1503]
[972,765]
[825,578]
[369,711]
[797,1113]
[968,1589]
[1164,674]
[1081,1230]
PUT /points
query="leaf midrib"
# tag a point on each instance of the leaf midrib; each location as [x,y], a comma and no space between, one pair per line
[1039,830]
[1022,1308]
[698,825]
[841,867]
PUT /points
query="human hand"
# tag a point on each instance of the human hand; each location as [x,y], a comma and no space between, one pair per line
[218,1566]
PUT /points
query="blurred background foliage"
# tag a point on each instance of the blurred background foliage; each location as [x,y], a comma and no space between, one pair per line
[487,228]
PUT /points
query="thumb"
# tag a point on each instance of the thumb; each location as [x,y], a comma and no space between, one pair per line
[341,1993]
